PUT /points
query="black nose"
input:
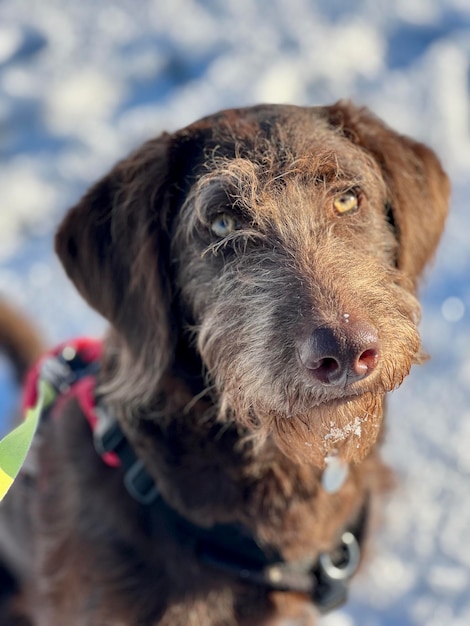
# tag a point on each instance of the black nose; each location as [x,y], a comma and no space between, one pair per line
[340,356]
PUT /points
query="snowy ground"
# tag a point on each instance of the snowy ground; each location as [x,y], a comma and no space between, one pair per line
[83,82]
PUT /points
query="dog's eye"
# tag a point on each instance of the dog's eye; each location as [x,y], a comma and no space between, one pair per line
[347,202]
[223,225]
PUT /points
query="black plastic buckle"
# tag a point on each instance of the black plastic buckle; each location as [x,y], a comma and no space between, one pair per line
[64,369]
[57,373]
[107,435]
[140,484]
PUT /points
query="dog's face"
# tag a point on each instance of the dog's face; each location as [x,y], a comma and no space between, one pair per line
[279,248]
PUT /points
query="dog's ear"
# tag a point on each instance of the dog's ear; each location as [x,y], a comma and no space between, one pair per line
[114,247]
[418,188]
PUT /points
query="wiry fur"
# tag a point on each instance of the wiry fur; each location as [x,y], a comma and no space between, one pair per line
[282,275]
[202,361]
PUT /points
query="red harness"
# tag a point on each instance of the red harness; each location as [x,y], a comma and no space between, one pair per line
[82,388]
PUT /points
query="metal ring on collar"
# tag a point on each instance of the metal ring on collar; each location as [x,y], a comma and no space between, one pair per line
[353,556]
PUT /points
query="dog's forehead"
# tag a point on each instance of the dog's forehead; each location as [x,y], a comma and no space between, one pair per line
[249,129]
[277,138]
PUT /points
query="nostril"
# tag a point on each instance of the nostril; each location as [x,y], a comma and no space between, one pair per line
[321,355]
[366,362]
[329,364]
[369,357]
[325,369]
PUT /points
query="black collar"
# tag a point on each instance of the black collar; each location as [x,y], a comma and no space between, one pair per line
[230,548]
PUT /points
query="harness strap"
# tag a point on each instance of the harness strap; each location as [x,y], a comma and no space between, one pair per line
[109,439]
[70,371]
[231,548]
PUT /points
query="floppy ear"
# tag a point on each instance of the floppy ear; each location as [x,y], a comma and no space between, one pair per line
[114,247]
[417,185]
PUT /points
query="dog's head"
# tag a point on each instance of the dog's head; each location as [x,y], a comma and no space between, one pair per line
[269,255]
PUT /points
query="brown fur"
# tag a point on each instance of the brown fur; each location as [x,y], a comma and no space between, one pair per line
[202,359]
[18,339]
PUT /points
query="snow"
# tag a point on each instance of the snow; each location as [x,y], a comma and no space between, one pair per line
[336,434]
[82,83]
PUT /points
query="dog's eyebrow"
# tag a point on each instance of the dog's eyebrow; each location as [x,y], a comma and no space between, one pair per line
[232,185]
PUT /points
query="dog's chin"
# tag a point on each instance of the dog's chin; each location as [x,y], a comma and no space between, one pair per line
[348,427]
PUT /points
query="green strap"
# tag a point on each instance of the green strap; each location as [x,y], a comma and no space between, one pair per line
[15,446]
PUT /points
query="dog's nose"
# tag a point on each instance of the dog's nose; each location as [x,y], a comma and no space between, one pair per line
[340,356]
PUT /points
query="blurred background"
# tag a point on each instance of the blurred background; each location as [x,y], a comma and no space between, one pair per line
[82,83]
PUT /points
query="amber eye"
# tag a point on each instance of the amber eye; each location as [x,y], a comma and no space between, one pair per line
[223,225]
[347,202]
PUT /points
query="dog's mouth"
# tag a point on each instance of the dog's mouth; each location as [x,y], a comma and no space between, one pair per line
[306,398]
[332,402]
[316,396]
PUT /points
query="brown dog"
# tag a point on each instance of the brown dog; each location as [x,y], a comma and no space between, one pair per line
[259,270]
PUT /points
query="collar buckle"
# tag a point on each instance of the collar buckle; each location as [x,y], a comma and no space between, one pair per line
[333,573]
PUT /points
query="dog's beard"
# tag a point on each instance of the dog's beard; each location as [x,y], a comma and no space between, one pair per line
[308,422]
[248,345]
[268,396]
[347,428]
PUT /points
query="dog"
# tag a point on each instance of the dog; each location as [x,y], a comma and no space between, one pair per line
[259,271]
